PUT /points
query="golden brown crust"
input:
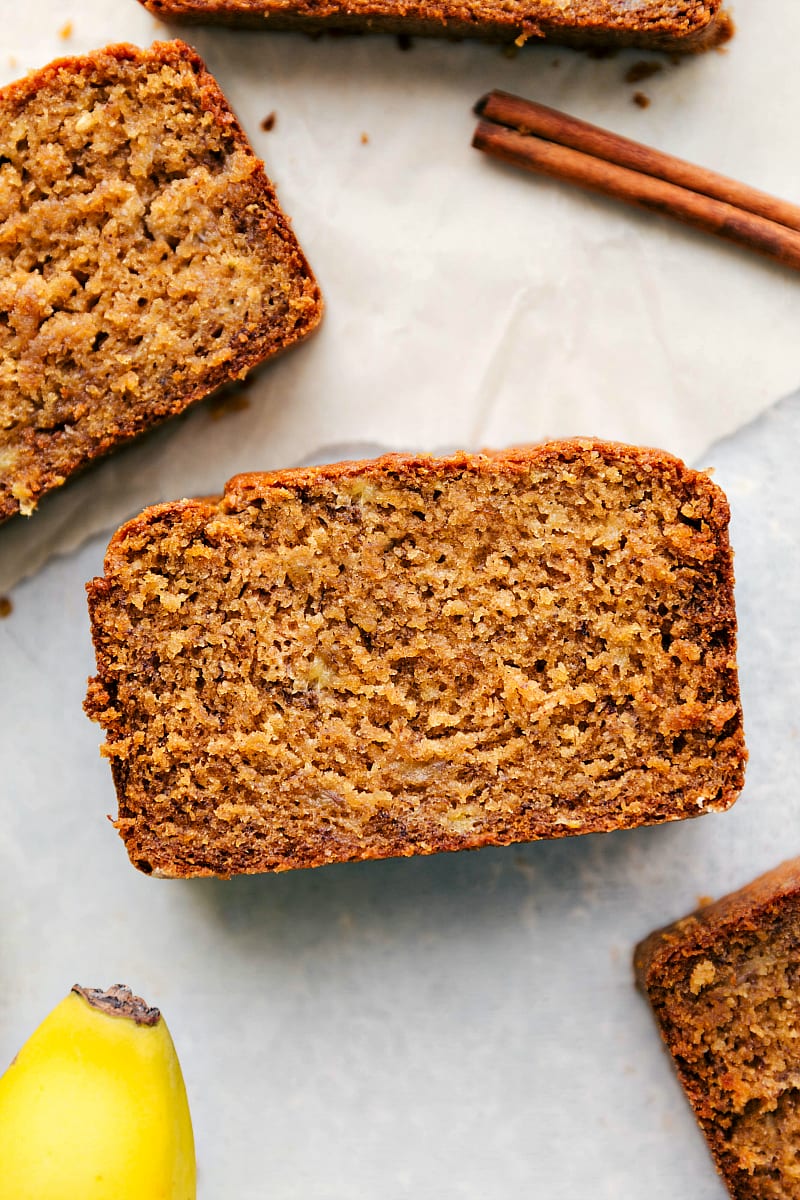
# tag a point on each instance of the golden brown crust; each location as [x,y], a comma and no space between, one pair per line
[51,456]
[744,910]
[675,25]
[407,802]
[731,944]
[517,459]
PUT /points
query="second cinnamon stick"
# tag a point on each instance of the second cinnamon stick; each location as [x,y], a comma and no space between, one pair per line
[528,116]
[643,191]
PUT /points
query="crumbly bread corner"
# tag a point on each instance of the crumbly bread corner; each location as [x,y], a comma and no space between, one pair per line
[724,985]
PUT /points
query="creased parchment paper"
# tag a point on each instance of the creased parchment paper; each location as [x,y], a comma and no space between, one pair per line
[467,304]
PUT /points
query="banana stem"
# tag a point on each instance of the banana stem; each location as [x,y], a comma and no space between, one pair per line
[119,1001]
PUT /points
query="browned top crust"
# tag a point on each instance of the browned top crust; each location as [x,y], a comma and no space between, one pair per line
[144,260]
[250,487]
[416,654]
[683,25]
[724,985]
[744,911]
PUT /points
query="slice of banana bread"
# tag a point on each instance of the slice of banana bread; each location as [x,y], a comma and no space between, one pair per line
[676,25]
[410,655]
[724,984]
[143,258]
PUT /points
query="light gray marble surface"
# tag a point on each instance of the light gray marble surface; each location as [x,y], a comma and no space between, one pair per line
[460,1026]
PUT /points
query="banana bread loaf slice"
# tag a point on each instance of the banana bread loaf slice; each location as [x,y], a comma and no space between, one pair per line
[410,655]
[675,25]
[724,984]
[143,258]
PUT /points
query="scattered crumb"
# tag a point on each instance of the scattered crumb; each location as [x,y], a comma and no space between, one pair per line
[231,401]
[642,70]
[12,61]
[404,41]
[364,139]
[268,122]
[641,99]
[704,901]
[602,52]
[6,607]
[66,30]
[555,63]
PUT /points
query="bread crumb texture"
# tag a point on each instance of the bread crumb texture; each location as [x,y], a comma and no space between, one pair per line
[143,258]
[725,988]
[675,25]
[414,654]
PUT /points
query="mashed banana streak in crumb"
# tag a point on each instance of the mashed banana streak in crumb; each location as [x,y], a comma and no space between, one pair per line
[411,655]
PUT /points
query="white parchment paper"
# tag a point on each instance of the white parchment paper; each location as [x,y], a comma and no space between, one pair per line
[468,304]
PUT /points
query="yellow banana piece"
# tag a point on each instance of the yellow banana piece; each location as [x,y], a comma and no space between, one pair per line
[94,1106]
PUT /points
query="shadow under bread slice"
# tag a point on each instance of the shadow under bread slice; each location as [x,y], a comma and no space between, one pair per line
[416,654]
[724,985]
[675,25]
[144,259]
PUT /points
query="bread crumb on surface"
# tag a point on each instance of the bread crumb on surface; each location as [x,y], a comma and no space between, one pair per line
[641,100]
[268,123]
[65,31]
[364,139]
[642,70]
[6,607]
[234,399]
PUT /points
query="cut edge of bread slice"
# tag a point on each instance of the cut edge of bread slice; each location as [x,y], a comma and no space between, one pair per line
[691,27]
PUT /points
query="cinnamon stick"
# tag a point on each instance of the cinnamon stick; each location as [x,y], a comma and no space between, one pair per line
[601,161]
[526,116]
